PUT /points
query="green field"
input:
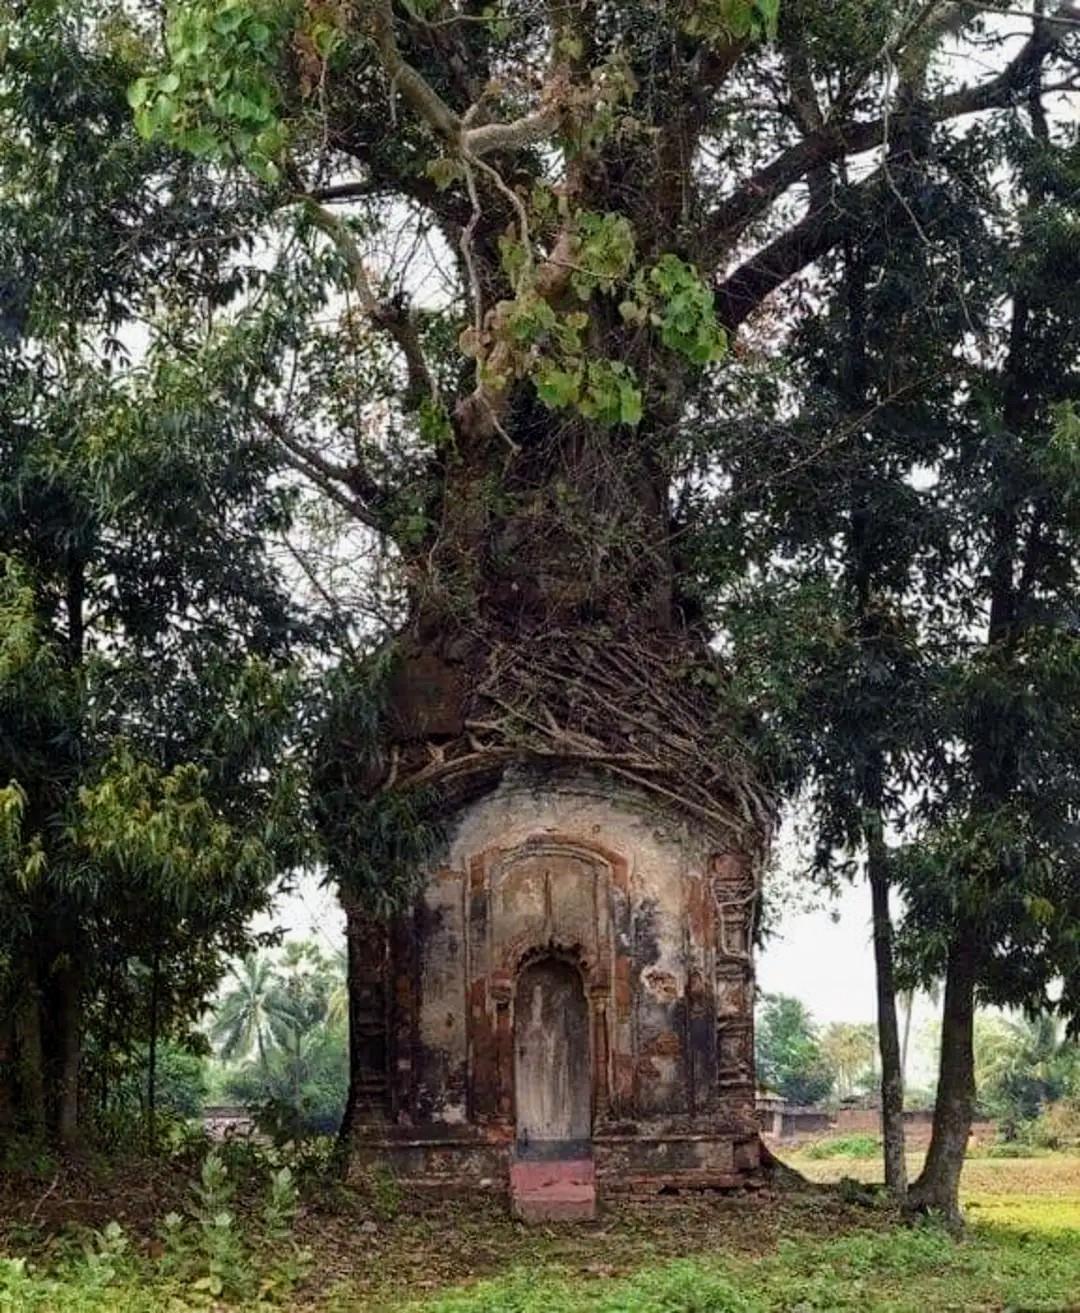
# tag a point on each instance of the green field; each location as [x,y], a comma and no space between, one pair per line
[1038,1193]
[819,1249]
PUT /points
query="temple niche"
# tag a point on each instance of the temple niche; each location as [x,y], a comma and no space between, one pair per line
[567,1010]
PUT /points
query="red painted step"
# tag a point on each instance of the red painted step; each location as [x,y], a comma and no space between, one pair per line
[557,1191]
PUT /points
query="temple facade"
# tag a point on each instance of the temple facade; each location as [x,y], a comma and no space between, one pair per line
[567,1010]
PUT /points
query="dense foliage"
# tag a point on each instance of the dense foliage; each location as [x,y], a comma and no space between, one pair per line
[149,795]
[495,285]
[790,1060]
[1025,1071]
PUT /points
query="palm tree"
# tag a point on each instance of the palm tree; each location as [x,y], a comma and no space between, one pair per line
[337,1006]
[1024,1065]
[851,1049]
[245,1019]
[299,1011]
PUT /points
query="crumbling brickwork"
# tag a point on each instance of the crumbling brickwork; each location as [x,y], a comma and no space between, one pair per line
[583,902]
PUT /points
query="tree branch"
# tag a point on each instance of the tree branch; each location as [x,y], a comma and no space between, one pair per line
[426,101]
[336,481]
[343,191]
[740,294]
[394,319]
[845,138]
[420,94]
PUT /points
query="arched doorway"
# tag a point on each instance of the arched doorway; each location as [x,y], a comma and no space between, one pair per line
[552,1084]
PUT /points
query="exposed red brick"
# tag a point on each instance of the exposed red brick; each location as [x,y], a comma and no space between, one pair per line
[562,1191]
[665,1045]
[662,984]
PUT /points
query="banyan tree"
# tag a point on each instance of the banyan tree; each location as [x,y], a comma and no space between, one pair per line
[544,752]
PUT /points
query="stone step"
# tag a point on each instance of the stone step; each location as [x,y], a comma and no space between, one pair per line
[556,1191]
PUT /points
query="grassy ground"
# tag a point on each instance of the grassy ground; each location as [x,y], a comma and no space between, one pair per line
[1041,1194]
[824,1249]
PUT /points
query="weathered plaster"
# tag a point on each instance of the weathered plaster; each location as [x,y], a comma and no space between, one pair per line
[633,900]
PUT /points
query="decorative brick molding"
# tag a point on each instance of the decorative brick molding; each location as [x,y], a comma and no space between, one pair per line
[647,922]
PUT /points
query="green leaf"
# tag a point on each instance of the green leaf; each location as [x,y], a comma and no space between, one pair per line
[769,14]
[557,388]
[630,410]
[265,170]
[200,142]
[229,20]
[162,111]
[138,92]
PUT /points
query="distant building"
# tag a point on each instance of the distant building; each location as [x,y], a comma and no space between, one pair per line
[221,1121]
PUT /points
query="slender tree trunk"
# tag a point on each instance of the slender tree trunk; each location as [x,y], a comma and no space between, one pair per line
[107,1037]
[151,1072]
[938,1187]
[296,1086]
[996,767]
[892,1076]
[8,1092]
[873,793]
[68,1025]
[66,995]
[905,1042]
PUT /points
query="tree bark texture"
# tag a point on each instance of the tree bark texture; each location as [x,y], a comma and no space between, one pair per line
[892,1076]
[938,1186]
[68,1031]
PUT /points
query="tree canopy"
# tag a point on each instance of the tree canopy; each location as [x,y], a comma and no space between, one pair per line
[535,334]
[150,795]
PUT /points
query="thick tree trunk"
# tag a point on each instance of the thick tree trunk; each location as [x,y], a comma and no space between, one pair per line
[938,1187]
[892,1077]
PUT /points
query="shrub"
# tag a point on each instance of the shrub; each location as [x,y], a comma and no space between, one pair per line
[1058,1127]
[292,1095]
[846,1146]
[1010,1149]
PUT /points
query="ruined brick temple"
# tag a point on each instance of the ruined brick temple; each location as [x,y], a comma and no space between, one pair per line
[567,1010]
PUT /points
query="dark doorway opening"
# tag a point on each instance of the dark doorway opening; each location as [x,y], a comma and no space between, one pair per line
[552,1084]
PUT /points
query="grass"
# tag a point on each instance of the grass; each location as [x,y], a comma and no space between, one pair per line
[903,1271]
[1039,1193]
[789,1253]
[800,1252]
